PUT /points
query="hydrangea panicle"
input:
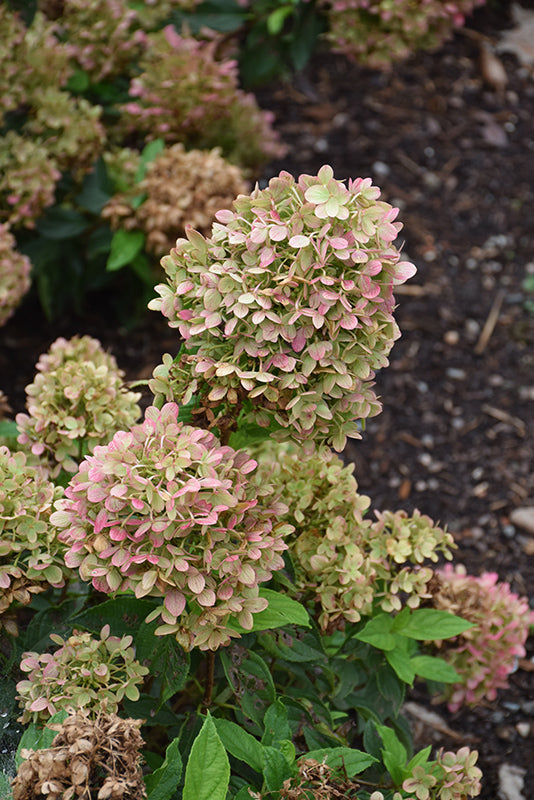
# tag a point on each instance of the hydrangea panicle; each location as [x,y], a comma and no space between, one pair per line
[164,510]
[487,653]
[77,400]
[287,310]
[15,271]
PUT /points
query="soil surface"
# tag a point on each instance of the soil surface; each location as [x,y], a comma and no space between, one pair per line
[455,152]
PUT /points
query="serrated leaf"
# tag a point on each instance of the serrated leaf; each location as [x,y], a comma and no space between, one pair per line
[431,624]
[353,761]
[393,753]
[276,770]
[240,744]
[207,774]
[377,632]
[161,784]
[125,245]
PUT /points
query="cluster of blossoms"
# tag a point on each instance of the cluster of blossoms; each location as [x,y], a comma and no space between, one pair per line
[164,510]
[77,400]
[15,271]
[85,672]
[28,178]
[486,654]
[180,188]
[379,32]
[340,560]
[31,558]
[102,35]
[184,94]
[90,758]
[287,309]
[30,59]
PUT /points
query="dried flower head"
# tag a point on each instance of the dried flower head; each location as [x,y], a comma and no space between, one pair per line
[15,271]
[287,310]
[164,510]
[184,94]
[85,672]
[486,654]
[89,758]
[76,401]
[28,178]
[31,558]
[379,32]
[102,35]
[342,561]
[180,188]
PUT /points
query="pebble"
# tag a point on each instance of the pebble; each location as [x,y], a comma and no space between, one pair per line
[523,729]
[523,518]
[511,782]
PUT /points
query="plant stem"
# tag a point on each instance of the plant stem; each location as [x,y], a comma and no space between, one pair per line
[210,669]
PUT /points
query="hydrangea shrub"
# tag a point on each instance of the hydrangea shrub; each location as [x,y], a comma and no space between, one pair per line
[83,673]
[486,654]
[76,401]
[380,32]
[165,511]
[287,310]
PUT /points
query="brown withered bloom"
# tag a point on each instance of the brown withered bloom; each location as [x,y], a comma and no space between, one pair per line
[89,759]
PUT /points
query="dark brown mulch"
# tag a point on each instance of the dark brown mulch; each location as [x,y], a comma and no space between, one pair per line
[455,435]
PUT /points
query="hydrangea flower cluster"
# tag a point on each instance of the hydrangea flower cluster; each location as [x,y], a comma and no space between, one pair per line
[28,178]
[76,401]
[164,510]
[180,188]
[184,94]
[84,672]
[379,32]
[288,309]
[101,35]
[15,271]
[486,654]
[31,558]
[341,560]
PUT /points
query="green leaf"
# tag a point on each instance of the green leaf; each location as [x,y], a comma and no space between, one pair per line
[8,433]
[96,189]
[240,744]
[276,770]
[252,683]
[377,632]
[282,610]
[150,151]
[125,245]
[434,669]
[276,19]
[393,753]
[124,615]
[59,223]
[79,81]
[353,761]
[419,758]
[207,774]
[162,783]
[276,724]
[400,662]
[431,624]
[35,738]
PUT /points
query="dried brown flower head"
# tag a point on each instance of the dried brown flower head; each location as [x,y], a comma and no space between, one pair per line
[89,759]
[182,188]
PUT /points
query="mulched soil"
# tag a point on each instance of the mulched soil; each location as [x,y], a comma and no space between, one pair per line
[454,440]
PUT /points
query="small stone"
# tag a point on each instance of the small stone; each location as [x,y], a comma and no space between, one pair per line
[523,518]
[451,337]
[523,729]
[511,782]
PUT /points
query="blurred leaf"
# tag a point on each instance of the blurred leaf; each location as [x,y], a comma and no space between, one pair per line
[96,189]
[149,153]
[276,19]
[79,81]
[125,245]
[162,783]
[59,223]
[353,761]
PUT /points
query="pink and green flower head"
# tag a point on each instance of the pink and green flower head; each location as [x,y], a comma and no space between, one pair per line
[164,510]
[287,310]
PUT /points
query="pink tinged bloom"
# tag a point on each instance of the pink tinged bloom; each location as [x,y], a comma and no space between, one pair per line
[404,270]
[196,583]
